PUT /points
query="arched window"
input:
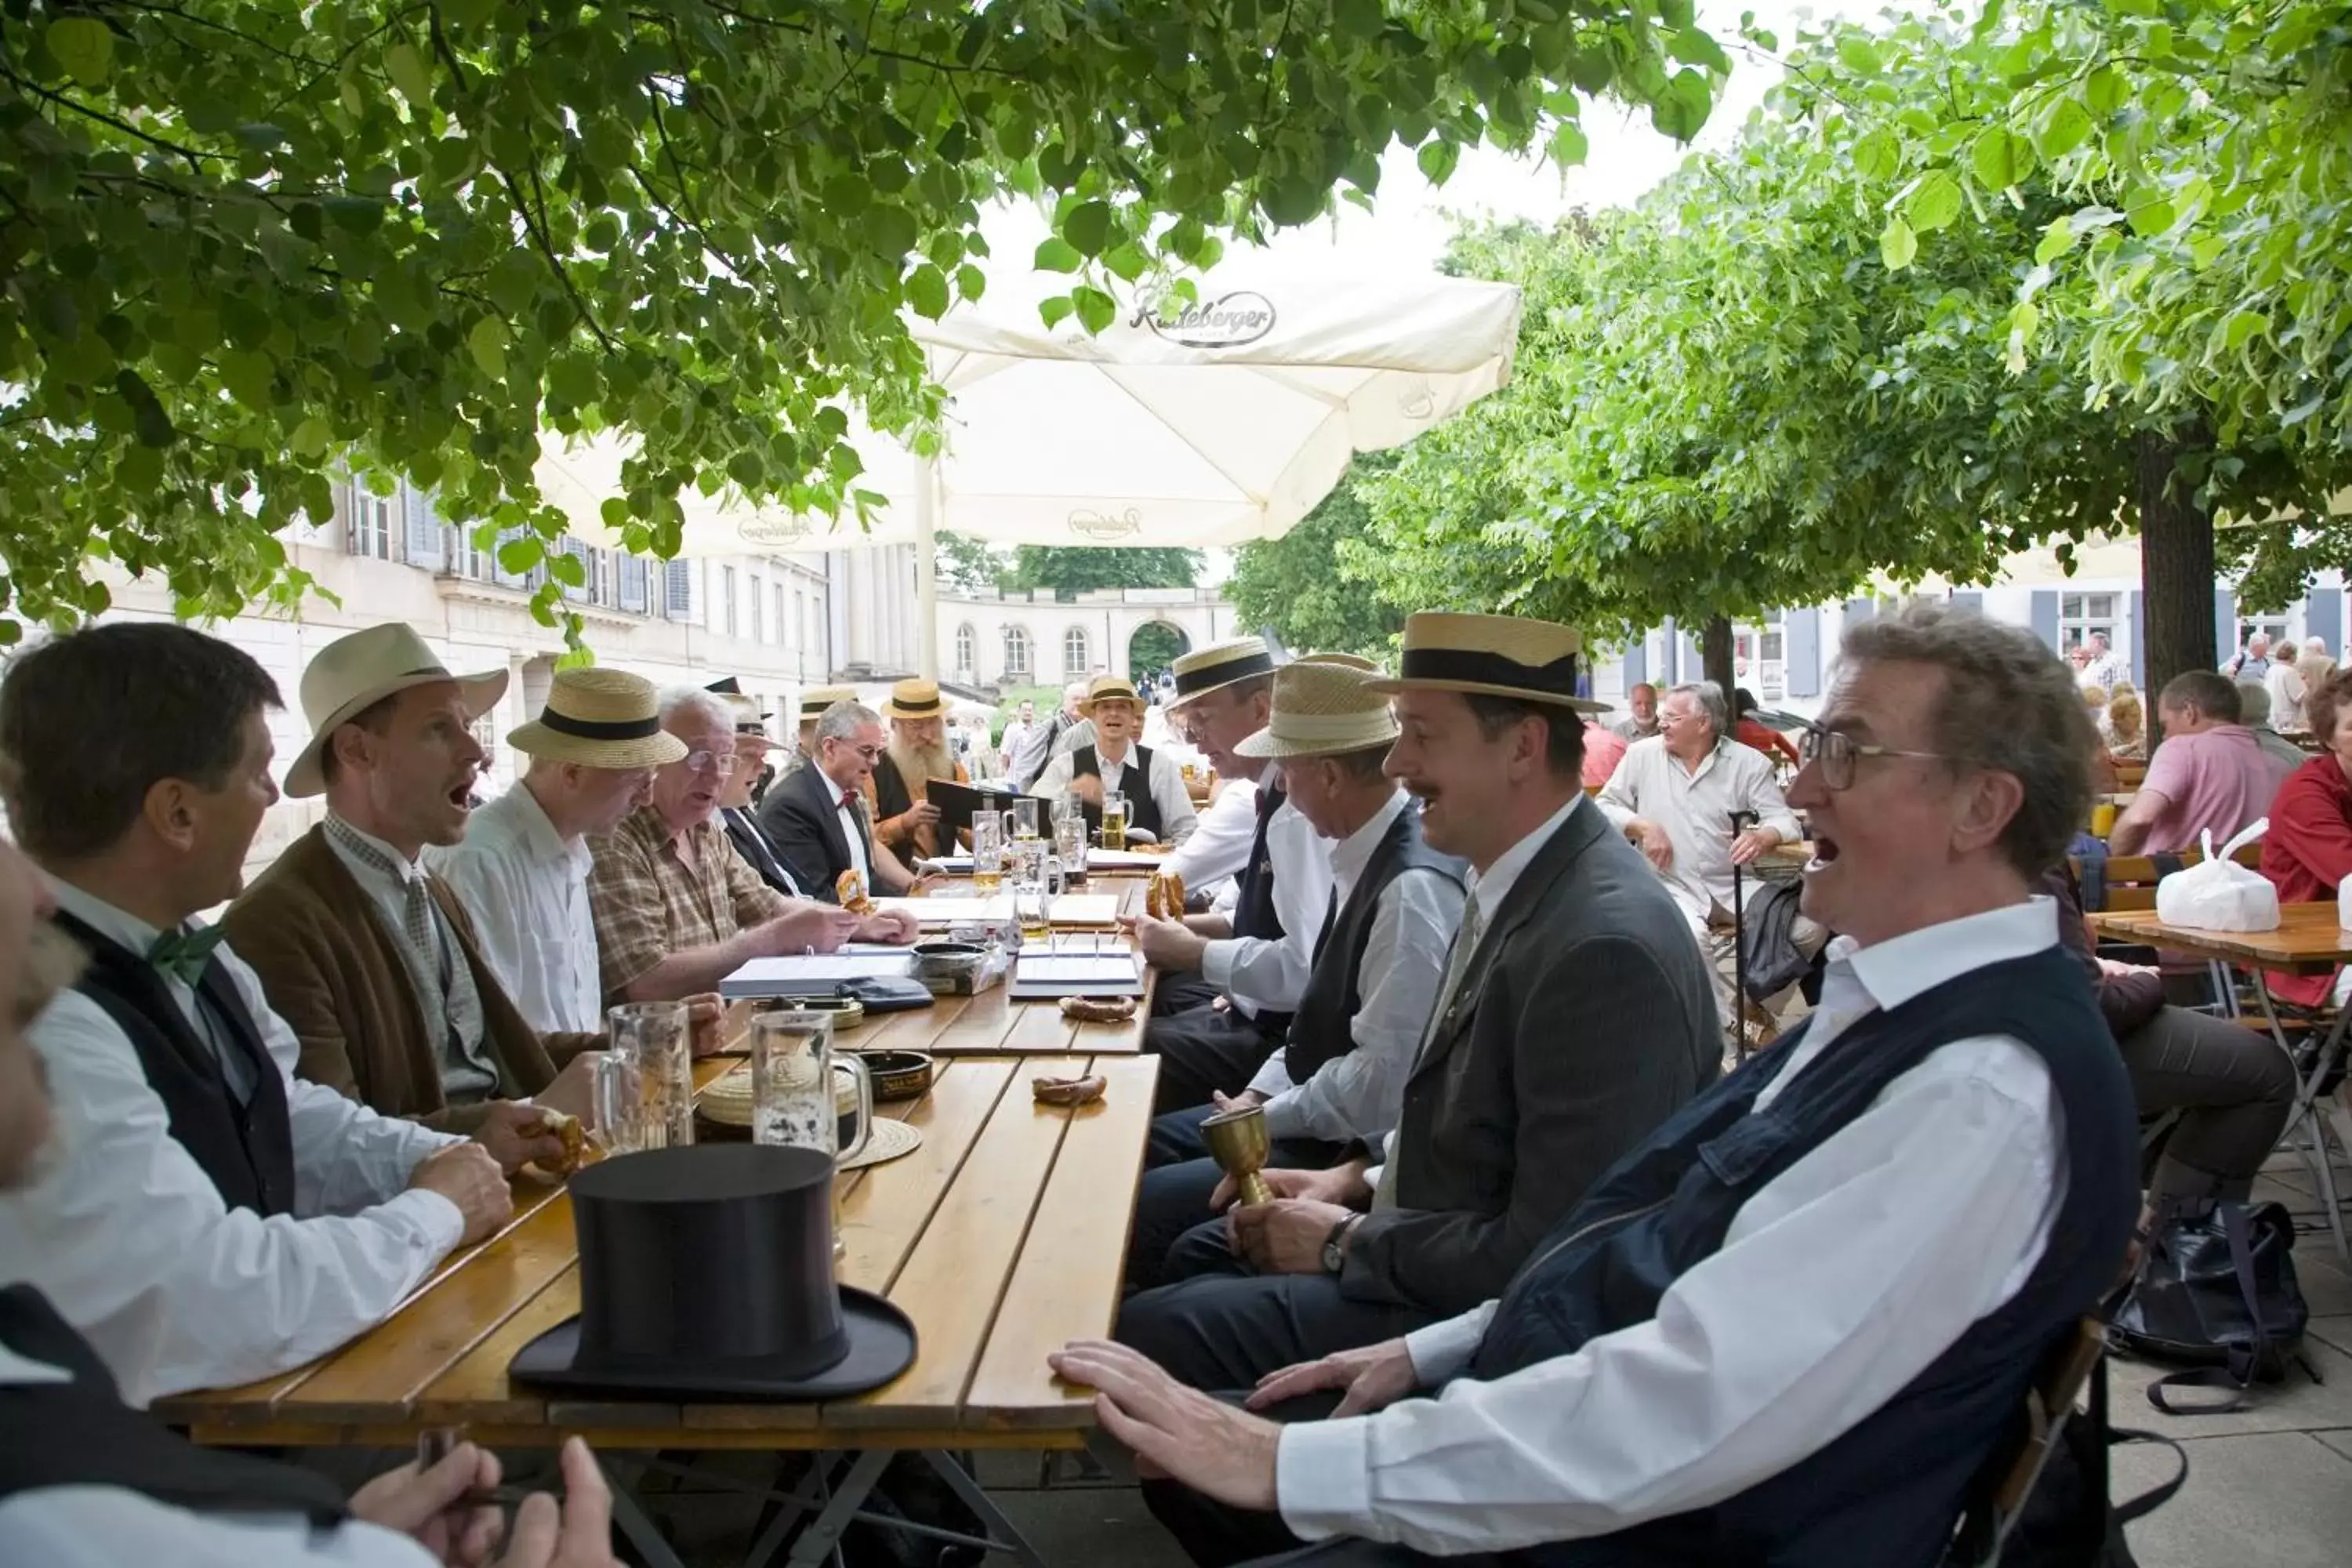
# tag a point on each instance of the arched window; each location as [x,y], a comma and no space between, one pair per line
[1016,653]
[966,649]
[1073,653]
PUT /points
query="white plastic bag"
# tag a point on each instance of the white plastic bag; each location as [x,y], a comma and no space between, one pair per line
[2219,894]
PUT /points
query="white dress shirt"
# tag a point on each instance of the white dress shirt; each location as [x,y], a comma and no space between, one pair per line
[1358,1095]
[1838,1283]
[854,829]
[130,1241]
[1261,973]
[1166,784]
[2284,683]
[526,889]
[1694,809]
[1222,834]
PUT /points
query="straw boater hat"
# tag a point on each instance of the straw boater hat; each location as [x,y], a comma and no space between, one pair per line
[747,717]
[1218,666]
[815,699]
[1493,656]
[1322,711]
[355,672]
[1109,688]
[916,699]
[1355,661]
[602,717]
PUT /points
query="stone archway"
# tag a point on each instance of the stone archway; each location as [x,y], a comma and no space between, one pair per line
[1154,644]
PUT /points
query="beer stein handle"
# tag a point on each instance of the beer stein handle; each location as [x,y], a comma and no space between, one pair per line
[856,1070]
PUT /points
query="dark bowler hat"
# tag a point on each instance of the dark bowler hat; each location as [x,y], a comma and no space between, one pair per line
[731,686]
[1494,655]
[705,1272]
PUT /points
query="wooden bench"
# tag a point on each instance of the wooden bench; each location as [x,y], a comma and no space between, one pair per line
[2130,880]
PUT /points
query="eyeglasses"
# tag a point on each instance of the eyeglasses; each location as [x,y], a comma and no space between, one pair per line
[721,763]
[1834,751]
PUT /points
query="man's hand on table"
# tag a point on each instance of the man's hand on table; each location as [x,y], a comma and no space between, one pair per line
[887,925]
[706,1023]
[516,1134]
[1370,1379]
[1174,1431]
[806,926]
[466,1175]
[1167,945]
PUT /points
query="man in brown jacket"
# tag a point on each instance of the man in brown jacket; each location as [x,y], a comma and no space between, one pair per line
[370,957]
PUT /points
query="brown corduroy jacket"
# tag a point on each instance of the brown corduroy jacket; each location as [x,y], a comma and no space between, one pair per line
[331,971]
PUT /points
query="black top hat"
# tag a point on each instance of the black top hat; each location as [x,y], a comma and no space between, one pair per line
[707,1273]
[729,686]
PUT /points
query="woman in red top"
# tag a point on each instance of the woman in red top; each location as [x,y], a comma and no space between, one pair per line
[2307,852]
[1748,731]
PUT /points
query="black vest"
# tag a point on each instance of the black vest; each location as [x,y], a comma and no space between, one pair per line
[1321,1030]
[1142,809]
[1887,1492]
[80,1434]
[891,795]
[1253,913]
[247,1150]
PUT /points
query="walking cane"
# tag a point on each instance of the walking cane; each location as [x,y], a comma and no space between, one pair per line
[1739,947]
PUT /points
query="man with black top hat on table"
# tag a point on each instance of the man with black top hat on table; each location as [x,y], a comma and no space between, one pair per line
[1798,1323]
[1228,981]
[918,753]
[207,1218]
[1575,1016]
[737,795]
[1395,903]
[88,1482]
[522,870]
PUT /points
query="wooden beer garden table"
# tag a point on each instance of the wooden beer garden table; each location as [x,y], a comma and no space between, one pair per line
[1003,1237]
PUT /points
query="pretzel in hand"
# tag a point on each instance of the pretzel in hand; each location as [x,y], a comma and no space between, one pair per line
[574,1136]
[1098,1009]
[1163,896]
[850,889]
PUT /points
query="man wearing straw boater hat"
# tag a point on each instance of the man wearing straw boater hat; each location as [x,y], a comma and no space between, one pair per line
[1395,906]
[522,870]
[903,819]
[1229,979]
[1157,801]
[370,957]
[1574,1017]
[814,700]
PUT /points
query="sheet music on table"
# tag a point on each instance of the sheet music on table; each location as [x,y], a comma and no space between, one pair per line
[813,974]
[1077,966]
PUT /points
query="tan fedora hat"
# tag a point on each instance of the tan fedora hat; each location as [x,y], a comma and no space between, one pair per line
[1110,688]
[353,673]
[1493,656]
[915,698]
[1355,661]
[1322,711]
[815,699]
[1218,666]
[601,718]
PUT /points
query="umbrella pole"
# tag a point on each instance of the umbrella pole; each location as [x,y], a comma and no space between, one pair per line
[927,575]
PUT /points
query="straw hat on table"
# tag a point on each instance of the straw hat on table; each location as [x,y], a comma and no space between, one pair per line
[601,718]
[353,673]
[1491,655]
[1322,711]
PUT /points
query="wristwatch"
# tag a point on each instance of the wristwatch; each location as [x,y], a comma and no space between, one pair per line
[1335,1246]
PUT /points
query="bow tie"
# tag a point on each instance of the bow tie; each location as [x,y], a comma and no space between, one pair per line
[849,800]
[184,954]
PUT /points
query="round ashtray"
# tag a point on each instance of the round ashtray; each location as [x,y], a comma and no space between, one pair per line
[946,960]
[847,1012]
[898,1075]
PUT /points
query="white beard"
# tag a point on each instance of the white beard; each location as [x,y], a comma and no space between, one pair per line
[919,767]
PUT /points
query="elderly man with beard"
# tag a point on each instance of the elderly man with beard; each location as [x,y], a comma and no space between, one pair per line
[904,821]
[88,1482]
[678,909]
[371,957]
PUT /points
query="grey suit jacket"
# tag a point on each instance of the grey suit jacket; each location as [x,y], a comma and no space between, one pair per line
[1584,1020]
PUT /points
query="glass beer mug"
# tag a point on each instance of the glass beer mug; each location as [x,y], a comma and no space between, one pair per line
[1021,822]
[987,853]
[805,1097]
[1114,819]
[654,1039]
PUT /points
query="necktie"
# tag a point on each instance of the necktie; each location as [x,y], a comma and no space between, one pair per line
[182,952]
[416,900]
[1457,960]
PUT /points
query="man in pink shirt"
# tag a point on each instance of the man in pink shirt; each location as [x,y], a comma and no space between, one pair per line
[1603,750]
[2210,774]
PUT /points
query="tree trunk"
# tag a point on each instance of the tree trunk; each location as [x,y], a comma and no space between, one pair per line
[2176,564]
[1715,653]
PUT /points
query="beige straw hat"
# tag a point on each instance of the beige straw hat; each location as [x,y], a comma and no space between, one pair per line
[1218,666]
[1494,656]
[747,717]
[602,718]
[1110,688]
[815,699]
[915,698]
[1322,711]
[1343,661]
[355,673]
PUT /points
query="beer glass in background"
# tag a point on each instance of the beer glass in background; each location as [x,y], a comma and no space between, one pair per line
[1023,817]
[798,1087]
[987,853]
[616,1101]
[652,1038]
[1114,819]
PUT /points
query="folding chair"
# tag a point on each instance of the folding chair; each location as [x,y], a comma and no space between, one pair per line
[1985,1526]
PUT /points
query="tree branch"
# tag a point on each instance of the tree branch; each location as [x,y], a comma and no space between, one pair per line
[195,159]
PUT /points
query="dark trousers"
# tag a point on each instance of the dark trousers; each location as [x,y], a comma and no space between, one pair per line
[1179,1179]
[1181,990]
[1218,1324]
[1205,1051]
[2233,1088]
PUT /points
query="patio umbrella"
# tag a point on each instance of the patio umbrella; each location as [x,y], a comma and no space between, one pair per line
[1205,423]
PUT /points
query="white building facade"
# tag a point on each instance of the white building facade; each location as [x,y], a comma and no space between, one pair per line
[994,641]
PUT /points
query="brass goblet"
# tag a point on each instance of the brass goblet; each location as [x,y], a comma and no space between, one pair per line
[1237,1140]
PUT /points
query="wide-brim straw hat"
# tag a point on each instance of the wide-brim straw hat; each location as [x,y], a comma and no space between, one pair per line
[1354,661]
[1110,688]
[600,719]
[1491,655]
[1218,666]
[353,673]
[915,698]
[815,699]
[1322,711]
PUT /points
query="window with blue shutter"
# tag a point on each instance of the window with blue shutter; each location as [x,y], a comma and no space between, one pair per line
[1803,642]
[634,576]
[422,542]
[678,593]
